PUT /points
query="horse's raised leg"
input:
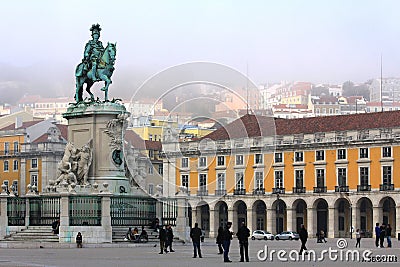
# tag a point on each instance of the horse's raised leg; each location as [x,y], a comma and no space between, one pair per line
[89,84]
[107,82]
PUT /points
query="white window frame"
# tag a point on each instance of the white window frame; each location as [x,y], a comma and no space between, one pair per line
[282,183]
[389,148]
[323,155]
[258,179]
[359,152]
[301,153]
[33,178]
[281,157]
[239,176]
[202,187]
[182,179]
[15,165]
[359,174]
[202,162]
[6,166]
[340,155]
[218,160]
[260,159]
[221,181]
[239,160]
[36,163]
[185,163]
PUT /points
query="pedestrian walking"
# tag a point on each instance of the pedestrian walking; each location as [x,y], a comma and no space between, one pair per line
[358,238]
[219,240]
[382,236]
[389,235]
[243,236]
[377,234]
[303,238]
[170,238]
[226,239]
[195,234]
[162,235]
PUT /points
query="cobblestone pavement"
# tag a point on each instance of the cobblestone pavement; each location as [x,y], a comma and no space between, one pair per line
[147,255]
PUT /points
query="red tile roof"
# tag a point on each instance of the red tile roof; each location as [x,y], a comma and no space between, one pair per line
[25,125]
[138,143]
[254,126]
[44,137]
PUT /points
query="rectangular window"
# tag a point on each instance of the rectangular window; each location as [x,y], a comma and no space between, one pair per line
[6,148]
[202,182]
[6,167]
[386,152]
[151,153]
[363,153]
[278,157]
[299,176]
[16,147]
[160,169]
[185,180]
[34,179]
[320,178]
[151,189]
[221,160]
[239,159]
[15,165]
[320,155]
[259,159]
[7,185]
[259,180]
[221,181]
[151,170]
[342,177]
[298,157]
[279,179]
[34,163]
[15,186]
[364,176]
[387,175]
[202,161]
[341,154]
[185,162]
[239,180]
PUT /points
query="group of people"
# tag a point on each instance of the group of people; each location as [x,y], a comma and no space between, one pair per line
[224,237]
[133,235]
[166,237]
[380,233]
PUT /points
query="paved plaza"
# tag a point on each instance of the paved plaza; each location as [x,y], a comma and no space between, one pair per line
[147,255]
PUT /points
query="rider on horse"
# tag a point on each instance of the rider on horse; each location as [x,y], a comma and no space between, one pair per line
[93,51]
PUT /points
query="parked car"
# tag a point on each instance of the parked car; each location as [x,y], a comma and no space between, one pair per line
[260,234]
[289,235]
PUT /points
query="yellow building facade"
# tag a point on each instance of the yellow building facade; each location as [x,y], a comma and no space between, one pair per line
[335,174]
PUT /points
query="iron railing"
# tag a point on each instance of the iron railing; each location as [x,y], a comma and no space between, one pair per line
[320,189]
[386,187]
[132,211]
[362,188]
[343,188]
[16,211]
[169,211]
[44,210]
[85,211]
[299,190]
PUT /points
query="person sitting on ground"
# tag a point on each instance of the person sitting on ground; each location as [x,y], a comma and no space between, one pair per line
[79,240]
[136,235]
[143,234]
[56,227]
[129,234]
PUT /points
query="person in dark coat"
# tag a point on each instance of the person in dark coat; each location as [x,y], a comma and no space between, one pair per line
[303,238]
[219,240]
[79,240]
[55,226]
[227,237]
[382,236]
[377,234]
[162,235]
[243,236]
[195,234]
[389,235]
[170,238]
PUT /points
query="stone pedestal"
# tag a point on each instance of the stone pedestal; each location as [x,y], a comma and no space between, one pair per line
[103,124]
[3,215]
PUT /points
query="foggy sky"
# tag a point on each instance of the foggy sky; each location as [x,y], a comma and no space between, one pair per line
[314,40]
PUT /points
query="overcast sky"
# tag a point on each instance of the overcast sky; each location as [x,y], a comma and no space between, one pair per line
[317,41]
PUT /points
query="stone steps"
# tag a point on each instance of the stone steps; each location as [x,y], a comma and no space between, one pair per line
[33,234]
[119,232]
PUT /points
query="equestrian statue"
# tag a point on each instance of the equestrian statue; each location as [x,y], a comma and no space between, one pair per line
[97,65]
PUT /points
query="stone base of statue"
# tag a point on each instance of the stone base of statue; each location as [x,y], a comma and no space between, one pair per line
[102,125]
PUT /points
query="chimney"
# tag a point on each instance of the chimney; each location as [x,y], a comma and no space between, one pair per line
[18,122]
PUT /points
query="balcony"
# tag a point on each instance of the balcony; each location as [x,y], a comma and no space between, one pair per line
[220,192]
[363,188]
[278,190]
[202,193]
[343,188]
[299,190]
[386,187]
[320,189]
[259,191]
[240,191]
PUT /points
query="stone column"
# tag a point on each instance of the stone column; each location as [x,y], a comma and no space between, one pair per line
[249,220]
[106,216]
[230,215]
[182,219]
[289,220]
[310,222]
[397,230]
[376,215]
[64,217]
[331,222]
[355,214]
[3,215]
[194,216]
[269,219]
[212,231]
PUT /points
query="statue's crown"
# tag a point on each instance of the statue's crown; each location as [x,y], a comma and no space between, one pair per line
[95,28]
